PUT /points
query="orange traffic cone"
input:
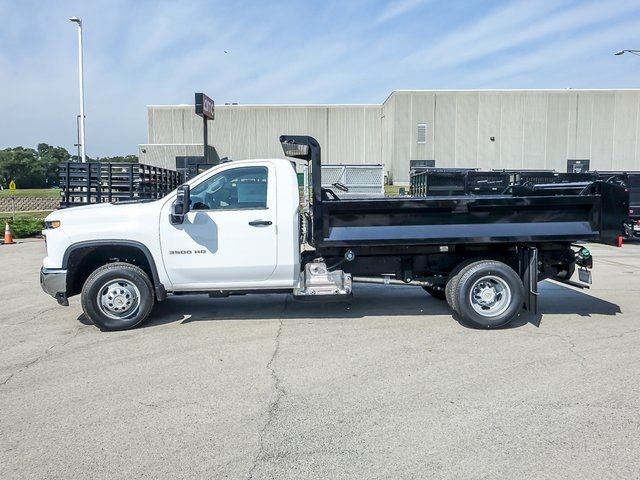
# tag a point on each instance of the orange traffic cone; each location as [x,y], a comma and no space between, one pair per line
[8,236]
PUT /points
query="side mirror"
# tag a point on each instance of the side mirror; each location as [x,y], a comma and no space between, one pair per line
[182,204]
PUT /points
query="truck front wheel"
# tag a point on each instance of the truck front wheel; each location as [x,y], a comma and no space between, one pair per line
[488,294]
[117,296]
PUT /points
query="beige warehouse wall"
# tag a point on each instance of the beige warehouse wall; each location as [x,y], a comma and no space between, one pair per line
[532,129]
[164,156]
[537,129]
[347,134]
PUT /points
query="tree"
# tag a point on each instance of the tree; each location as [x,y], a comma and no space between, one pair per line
[32,168]
[50,157]
[116,159]
[119,159]
[39,168]
[20,164]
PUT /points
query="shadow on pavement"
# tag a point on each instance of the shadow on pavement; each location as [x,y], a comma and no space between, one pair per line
[368,301]
[556,299]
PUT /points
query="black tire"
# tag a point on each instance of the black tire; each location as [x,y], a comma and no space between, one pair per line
[436,291]
[452,283]
[449,288]
[102,283]
[501,281]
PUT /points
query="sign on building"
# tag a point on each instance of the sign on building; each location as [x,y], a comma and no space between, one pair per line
[205,107]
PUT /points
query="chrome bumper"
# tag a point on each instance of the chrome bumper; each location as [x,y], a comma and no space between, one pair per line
[54,282]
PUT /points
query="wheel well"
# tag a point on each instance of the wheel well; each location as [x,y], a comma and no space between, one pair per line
[83,261]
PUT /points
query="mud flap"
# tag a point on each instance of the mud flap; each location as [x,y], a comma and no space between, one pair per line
[528,266]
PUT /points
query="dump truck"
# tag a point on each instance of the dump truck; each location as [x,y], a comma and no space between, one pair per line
[240,228]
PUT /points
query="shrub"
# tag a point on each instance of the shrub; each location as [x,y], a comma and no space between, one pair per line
[23,227]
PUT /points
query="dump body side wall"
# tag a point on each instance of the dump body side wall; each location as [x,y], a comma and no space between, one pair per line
[460,220]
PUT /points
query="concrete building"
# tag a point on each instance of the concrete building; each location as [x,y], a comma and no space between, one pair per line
[487,129]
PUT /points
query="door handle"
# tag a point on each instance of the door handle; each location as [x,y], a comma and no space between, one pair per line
[260,223]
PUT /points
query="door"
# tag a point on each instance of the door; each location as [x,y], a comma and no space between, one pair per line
[228,239]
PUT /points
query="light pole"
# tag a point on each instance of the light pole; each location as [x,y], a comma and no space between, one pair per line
[83,154]
[632,52]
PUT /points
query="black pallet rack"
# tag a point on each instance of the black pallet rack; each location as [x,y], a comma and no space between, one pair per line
[90,183]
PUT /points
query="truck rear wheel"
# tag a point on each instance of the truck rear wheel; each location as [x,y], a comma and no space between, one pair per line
[488,294]
[117,296]
[448,291]
[452,283]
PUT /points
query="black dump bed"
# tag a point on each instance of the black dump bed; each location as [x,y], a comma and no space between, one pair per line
[632,181]
[595,211]
[598,215]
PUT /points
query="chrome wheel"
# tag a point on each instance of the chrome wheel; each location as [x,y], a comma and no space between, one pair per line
[490,296]
[119,299]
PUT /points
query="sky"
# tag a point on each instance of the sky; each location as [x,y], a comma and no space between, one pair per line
[140,53]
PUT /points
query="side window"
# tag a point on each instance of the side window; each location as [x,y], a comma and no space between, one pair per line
[233,189]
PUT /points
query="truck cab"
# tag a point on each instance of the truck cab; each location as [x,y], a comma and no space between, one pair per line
[239,232]
[241,229]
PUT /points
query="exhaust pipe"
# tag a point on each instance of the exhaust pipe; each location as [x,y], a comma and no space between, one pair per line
[387,280]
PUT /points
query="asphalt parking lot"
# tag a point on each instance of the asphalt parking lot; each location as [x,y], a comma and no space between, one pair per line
[386,386]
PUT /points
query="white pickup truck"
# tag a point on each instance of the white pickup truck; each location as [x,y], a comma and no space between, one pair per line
[239,228]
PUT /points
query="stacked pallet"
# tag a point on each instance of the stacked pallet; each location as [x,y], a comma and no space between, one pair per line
[89,183]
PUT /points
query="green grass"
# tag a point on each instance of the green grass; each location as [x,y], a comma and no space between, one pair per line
[26,224]
[38,214]
[32,192]
[394,190]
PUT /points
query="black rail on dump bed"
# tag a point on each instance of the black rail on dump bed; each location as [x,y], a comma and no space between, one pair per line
[594,211]
[432,182]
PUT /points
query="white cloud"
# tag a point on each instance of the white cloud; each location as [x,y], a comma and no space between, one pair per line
[396,8]
[140,53]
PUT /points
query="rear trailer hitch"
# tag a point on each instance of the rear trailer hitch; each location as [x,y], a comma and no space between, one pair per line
[584,261]
[584,258]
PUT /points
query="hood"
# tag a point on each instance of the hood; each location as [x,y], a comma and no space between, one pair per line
[104,211]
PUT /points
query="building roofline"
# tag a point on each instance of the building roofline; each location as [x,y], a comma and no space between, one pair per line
[508,90]
[278,105]
[514,89]
[417,90]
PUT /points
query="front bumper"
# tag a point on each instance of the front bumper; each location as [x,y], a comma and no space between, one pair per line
[54,282]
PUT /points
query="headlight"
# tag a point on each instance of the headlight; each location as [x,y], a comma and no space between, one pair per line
[52,224]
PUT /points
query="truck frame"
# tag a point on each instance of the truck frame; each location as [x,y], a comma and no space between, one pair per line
[238,228]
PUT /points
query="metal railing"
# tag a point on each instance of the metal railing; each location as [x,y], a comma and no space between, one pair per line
[361,180]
